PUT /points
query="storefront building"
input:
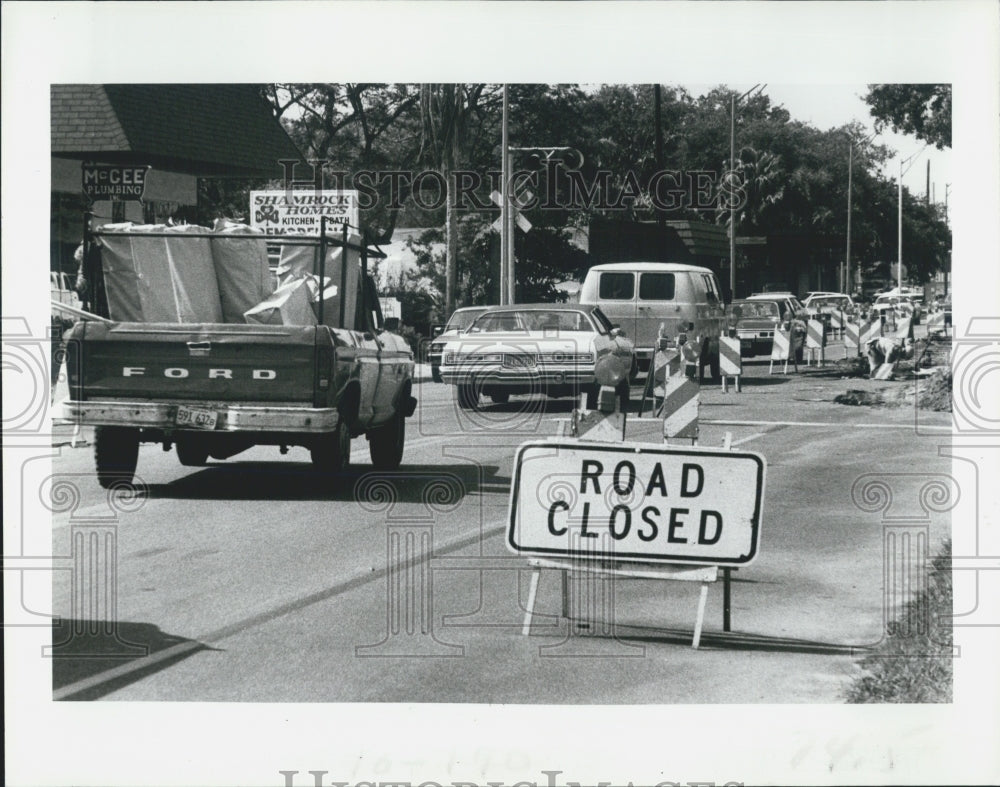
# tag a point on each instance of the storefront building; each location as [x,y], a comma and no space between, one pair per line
[182,133]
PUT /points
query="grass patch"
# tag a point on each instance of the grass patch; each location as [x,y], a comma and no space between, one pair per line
[914,662]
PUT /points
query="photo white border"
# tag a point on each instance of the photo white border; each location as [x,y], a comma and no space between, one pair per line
[674,43]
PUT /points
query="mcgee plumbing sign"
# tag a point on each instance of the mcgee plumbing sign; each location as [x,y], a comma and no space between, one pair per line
[300,211]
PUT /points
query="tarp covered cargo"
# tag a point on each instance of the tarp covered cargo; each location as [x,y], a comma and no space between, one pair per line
[287,305]
[159,279]
[298,262]
[241,268]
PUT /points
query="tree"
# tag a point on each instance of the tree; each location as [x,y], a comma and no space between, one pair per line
[923,111]
[353,128]
[446,113]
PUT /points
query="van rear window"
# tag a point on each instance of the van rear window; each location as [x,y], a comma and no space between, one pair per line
[617,286]
[656,287]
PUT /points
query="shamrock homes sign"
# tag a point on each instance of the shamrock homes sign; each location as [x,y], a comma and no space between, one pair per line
[114,182]
[300,211]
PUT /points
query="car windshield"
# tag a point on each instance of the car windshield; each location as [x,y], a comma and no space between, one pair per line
[531,320]
[757,309]
[830,303]
[462,319]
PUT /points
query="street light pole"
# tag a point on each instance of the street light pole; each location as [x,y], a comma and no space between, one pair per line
[732,195]
[732,199]
[899,254]
[847,255]
[504,204]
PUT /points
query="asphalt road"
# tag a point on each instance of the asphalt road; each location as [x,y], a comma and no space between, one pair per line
[257,579]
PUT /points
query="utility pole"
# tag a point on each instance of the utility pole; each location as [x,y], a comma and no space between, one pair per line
[927,196]
[505,224]
[899,254]
[947,188]
[657,119]
[847,255]
[732,195]
[732,199]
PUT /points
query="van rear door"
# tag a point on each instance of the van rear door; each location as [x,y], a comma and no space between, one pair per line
[616,294]
[656,305]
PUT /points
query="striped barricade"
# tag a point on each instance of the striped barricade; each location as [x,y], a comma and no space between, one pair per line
[782,349]
[730,361]
[837,322]
[680,409]
[665,363]
[870,330]
[815,341]
[904,328]
[691,353]
[852,337]
[935,323]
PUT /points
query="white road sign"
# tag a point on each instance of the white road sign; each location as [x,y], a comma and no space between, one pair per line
[636,502]
[300,211]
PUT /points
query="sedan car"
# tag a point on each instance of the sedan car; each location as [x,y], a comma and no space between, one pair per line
[820,305]
[899,305]
[460,320]
[756,318]
[555,349]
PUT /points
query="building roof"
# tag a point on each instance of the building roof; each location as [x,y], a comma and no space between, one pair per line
[198,129]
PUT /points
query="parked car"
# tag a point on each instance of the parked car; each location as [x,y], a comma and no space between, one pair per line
[460,320]
[555,349]
[639,297]
[820,305]
[905,305]
[756,318]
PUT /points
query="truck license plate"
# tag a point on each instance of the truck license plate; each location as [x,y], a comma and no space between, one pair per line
[193,418]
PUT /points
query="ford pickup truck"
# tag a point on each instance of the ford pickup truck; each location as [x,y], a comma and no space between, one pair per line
[215,388]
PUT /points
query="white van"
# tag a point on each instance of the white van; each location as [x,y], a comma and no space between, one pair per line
[640,296]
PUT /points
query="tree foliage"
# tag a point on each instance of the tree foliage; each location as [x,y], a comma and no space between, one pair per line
[923,111]
[793,177]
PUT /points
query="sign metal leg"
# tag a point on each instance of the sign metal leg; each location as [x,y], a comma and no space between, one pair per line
[532,591]
[702,598]
[726,600]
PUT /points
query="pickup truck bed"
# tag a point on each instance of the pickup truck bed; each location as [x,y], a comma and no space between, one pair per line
[217,389]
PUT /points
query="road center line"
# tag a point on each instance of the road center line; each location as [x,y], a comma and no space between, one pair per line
[359,580]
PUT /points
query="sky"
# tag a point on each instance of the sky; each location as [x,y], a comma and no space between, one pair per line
[828,106]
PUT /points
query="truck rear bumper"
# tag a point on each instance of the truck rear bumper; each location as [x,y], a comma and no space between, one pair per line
[231,418]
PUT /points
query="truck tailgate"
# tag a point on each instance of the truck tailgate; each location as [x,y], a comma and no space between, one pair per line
[223,363]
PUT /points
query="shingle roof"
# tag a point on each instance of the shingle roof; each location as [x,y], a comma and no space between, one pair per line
[200,129]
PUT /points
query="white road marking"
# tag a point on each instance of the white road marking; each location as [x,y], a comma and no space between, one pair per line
[826,423]
[484,531]
[748,438]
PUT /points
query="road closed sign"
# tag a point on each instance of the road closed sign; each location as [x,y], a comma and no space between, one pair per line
[636,502]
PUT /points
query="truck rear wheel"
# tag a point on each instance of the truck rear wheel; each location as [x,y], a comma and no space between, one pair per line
[116,454]
[385,444]
[331,452]
[190,451]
